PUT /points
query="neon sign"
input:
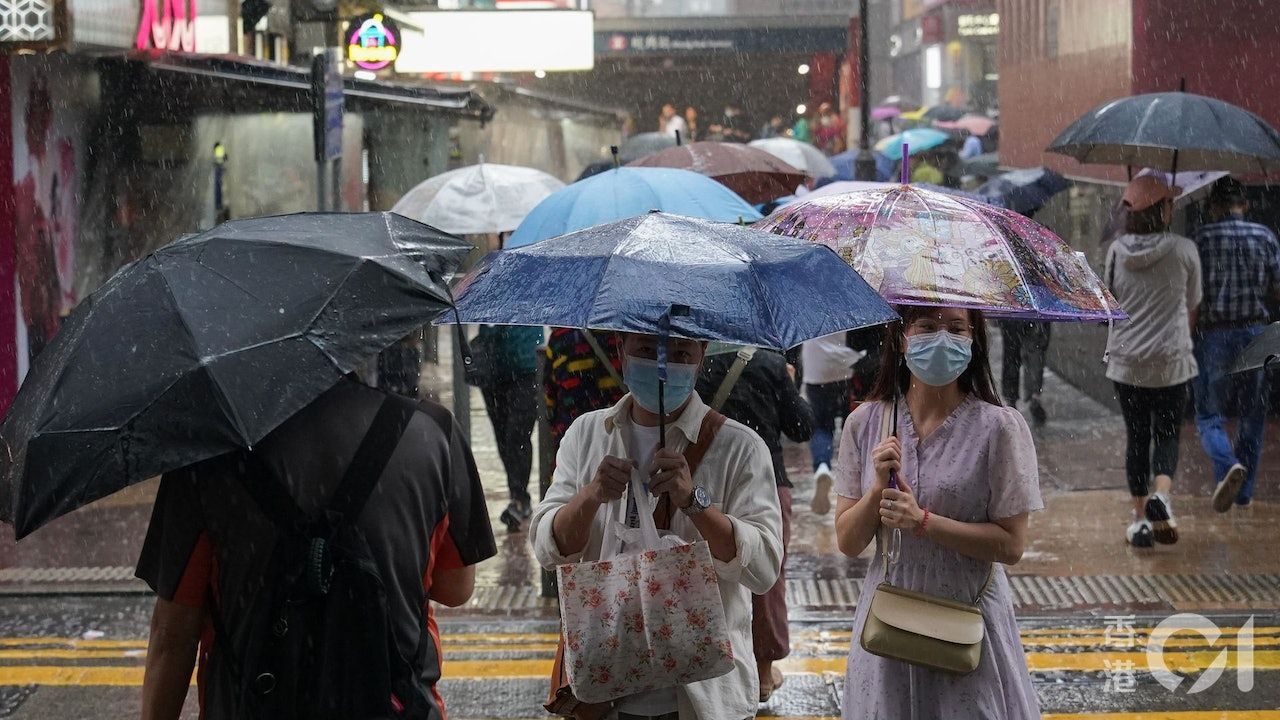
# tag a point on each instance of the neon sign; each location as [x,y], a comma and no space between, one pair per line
[170,26]
[374,42]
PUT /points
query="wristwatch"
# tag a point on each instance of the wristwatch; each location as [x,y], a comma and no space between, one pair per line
[699,500]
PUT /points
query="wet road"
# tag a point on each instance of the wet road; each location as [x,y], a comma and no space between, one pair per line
[82,657]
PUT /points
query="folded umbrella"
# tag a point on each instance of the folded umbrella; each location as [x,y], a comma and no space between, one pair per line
[1024,191]
[1261,353]
[917,140]
[807,158]
[728,283]
[207,345]
[1174,130]
[755,175]
[478,199]
[626,192]
[919,247]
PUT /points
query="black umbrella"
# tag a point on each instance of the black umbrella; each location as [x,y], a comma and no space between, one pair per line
[946,113]
[986,165]
[1261,353]
[1024,191]
[207,345]
[1175,131]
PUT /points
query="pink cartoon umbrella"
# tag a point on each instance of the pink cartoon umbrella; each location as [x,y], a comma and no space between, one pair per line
[919,247]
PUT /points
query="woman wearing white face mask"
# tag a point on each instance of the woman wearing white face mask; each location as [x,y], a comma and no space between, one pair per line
[967,480]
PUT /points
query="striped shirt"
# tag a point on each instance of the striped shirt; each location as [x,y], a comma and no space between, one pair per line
[1240,261]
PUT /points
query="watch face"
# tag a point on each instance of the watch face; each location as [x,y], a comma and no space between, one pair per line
[702,497]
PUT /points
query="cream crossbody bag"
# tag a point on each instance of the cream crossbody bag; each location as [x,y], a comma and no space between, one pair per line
[917,628]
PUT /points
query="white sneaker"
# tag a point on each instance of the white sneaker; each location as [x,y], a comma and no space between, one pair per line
[1139,534]
[1225,494]
[822,480]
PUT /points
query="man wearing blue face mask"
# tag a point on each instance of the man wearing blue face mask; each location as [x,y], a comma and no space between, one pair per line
[713,481]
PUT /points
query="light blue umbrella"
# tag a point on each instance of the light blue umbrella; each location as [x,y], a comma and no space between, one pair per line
[626,192]
[917,139]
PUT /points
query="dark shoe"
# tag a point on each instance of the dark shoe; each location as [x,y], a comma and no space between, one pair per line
[1225,494]
[1159,512]
[1139,534]
[1038,415]
[512,517]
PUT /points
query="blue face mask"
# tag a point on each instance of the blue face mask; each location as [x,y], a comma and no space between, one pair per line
[938,358]
[641,377]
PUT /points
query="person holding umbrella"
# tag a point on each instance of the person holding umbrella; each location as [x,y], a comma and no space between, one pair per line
[1156,277]
[1241,266]
[957,478]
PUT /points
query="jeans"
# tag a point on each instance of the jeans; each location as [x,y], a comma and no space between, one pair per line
[1215,351]
[513,407]
[1152,421]
[1025,343]
[829,401]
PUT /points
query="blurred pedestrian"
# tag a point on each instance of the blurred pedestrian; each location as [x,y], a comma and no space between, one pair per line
[694,131]
[828,135]
[966,482]
[221,587]
[924,170]
[774,128]
[802,129]
[1241,265]
[733,125]
[1026,343]
[609,458]
[1155,276]
[512,399]
[828,366]
[579,377]
[762,395]
[971,148]
[670,122]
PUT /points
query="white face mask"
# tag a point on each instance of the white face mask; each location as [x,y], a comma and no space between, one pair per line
[938,358]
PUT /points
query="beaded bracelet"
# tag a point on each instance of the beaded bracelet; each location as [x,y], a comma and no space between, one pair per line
[924,522]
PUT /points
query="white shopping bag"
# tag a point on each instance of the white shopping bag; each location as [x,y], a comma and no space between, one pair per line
[644,620]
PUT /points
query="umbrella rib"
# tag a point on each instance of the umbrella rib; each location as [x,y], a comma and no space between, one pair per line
[1017,269]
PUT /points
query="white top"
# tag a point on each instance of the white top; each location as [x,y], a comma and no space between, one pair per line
[737,472]
[676,123]
[827,359]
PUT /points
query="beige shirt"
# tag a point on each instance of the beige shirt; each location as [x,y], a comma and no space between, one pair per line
[737,473]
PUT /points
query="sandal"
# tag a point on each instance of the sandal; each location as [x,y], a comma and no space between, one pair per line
[776,679]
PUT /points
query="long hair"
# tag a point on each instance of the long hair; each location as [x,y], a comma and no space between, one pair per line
[894,375]
[1147,221]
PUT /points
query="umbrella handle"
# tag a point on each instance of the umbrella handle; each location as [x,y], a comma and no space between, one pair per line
[906,164]
[662,414]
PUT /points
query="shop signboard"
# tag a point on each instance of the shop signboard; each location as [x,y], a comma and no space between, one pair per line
[373,42]
[462,41]
[167,25]
[718,41]
[978,25]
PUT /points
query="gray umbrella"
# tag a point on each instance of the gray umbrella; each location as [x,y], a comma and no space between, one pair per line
[1175,131]
[638,146]
[1261,353]
[207,345]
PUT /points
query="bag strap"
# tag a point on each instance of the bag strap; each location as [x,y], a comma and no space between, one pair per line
[372,456]
[731,378]
[602,356]
[693,454]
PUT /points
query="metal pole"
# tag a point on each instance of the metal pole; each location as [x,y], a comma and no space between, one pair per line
[335,200]
[322,187]
[866,163]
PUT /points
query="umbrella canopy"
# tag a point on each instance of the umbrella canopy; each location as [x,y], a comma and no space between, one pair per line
[848,186]
[846,165]
[637,146]
[752,173]
[918,140]
[919,247]
[946,112]
[478,199]
[626,192]
[973,124]
[1024,191]
[726,282]
[885,112]
[207,345]
[986,165]
[802,155]
[1176,130]
[1261,353]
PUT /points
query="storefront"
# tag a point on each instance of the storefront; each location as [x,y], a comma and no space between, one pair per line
[944,52]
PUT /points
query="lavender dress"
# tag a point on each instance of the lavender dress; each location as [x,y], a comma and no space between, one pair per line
[980,464]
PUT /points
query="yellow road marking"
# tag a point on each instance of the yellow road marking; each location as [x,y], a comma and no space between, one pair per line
[65,654]
[70,675]
[72,642]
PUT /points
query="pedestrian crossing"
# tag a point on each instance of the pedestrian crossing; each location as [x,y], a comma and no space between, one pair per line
[1070,661]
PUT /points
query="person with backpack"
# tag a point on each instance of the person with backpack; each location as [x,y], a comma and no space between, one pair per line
[711,480]
[299,573]
[757,388]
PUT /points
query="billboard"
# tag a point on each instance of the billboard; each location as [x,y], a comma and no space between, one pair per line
[487,41]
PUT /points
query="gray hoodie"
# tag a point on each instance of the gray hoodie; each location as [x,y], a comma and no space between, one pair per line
[1156,278]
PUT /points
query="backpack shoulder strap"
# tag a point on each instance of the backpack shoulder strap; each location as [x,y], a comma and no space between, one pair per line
[601,356]
[372,456]
[731,377]
[271,495]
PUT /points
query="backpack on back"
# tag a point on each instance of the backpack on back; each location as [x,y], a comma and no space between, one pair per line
[319,642]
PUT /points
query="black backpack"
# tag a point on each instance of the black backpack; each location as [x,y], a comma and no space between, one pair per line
[319,643]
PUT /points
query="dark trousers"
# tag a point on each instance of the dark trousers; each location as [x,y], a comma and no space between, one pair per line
[1152,421]
[769,630]
[829,401]
[513,407]
[1025,344]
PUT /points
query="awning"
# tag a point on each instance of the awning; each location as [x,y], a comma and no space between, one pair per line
[463,102]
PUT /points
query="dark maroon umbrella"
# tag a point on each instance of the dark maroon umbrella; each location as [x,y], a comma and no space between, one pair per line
[754,174]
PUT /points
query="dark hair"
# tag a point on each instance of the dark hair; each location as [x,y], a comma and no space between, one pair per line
[975,380]
[1227,192]
[1146,221]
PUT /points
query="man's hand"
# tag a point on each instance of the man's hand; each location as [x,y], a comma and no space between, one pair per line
[611,479]
[670,474]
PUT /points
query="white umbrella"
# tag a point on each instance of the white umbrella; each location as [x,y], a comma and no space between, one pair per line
[478,199]
[802,155]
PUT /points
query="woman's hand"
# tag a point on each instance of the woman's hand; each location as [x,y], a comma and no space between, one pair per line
[899,509]
[887,457]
